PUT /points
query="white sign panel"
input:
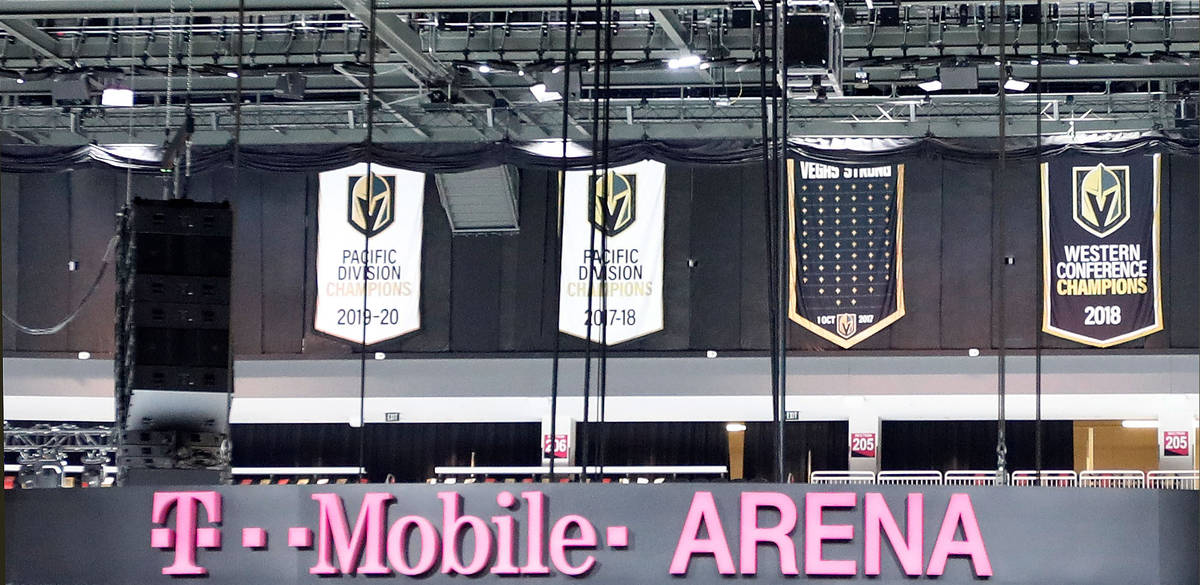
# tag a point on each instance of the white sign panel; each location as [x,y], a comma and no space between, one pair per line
[369,241]
[623,276]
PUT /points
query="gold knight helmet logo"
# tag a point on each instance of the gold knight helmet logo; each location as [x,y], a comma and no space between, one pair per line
[372,209]
[615,210]
[847,325]
[1101,200]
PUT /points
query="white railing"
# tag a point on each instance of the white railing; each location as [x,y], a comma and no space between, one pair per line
[1187,479]
[984,477]
[1049,478]
[842,477]
[909,478]
[1112,478]
[643,474]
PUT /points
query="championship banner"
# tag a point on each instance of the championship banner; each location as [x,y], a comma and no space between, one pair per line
[846,278]
[369,240]
[1100,242]
[625,274]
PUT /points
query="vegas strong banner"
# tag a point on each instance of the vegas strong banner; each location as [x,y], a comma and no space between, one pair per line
[622,274]
[846,225]
[1100,245]
[369,242]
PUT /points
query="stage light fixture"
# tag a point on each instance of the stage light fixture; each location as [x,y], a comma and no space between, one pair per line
[485,68]
[541,94]
[684,61]
[735,427]
[117,94]
[1073,60]
[931,85]
[291,86]
[1014,84]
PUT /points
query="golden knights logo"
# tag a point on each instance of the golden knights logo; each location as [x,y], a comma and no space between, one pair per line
[1101,199]
[372,209]
[847,324]
[614,211]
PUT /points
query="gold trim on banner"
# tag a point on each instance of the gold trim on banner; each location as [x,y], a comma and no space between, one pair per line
[793,311]
[1047,281]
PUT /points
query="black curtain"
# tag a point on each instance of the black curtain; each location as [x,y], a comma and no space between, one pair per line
[945,445]
[654,443]
[828,443]
[408,451]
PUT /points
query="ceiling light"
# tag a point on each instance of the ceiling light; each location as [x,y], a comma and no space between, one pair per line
[485,68]
[684,61]
[996,62]
[20,80]
[1014,84]
[379,355]
[1073,60]
[83,355]
[735,427]
[973,352]
[931,85]
[231,74]
[116,94]
[1140,424]
[908,72]
[541,94]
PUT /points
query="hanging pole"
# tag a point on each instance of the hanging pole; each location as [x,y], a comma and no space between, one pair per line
[1037,330]
[781,235]
[562,179]
[999,260]
[370,178]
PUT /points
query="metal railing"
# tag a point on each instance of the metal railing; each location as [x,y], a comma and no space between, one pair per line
[1187,479]
[909,478]
[982,477]
[1112,478]
[1048,478]
[842,477]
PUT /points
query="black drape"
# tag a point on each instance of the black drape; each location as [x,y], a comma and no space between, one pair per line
[828,443]
[946,445]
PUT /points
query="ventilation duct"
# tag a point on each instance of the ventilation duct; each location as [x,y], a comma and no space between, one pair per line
[482,201]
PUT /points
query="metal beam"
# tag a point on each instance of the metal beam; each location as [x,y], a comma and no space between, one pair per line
[41,42]
[401,38]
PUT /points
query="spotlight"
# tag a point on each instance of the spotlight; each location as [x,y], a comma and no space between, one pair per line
[86,355]
[684,61]
[735,427]
[1073,60]
[379,355]
[232,74]
[1014,84]
[541,94]
[93,470]
[1034,61]
[485,68]
[931,85]
[116,94]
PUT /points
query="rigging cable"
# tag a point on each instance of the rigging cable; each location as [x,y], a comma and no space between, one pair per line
[781,234]
[372,40]
[1037,330]
[998,320]
[562,177]
[604,149]
[768,200]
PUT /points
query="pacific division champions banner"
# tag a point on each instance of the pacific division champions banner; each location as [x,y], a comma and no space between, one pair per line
[369,240]
[625,274]
[1100,247]
[846,226]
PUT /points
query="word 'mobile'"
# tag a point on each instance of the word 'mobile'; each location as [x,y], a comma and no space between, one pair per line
[455,543]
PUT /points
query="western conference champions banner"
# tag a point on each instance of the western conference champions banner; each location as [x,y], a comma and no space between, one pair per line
[846,225]
[369,239]
[1100,225]
[627,205]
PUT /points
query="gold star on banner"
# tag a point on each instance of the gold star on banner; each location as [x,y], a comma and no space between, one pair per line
[870,289]
[837,209]
[820,210]
[837,221]
[837,187]
[854,267]
[820,256]
[887,254]
[820,291]
[854,255]
[821,268]
[820,279]
[870,266]
[872,244]
[804,267]
[804,188]
[870,209]
[803,210]
[837,291]
[805,244]
[887,277]
[854,278]
[887,186]
[854,290]
[804,222]
[804,233]
[820,187]
[838,302]
[887,197]
[853,301]
[853,210]
[871,278]
[805,279]
[855,221]
[820,222]
[837,266]
[837,244]
[870,220]
[853,244]
[837,279]
[820,233]
[870,186]
[887,231]
[852,188]
[804,256]
[870,197]
[854,232]
[837,198]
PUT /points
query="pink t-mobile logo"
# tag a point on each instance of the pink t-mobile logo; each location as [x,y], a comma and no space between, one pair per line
[186,536]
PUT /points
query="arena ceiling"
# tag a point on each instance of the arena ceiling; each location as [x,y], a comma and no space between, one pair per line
[463,71]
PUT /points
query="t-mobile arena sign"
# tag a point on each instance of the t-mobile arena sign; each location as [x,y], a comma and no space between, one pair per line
[601,534]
